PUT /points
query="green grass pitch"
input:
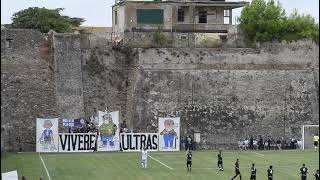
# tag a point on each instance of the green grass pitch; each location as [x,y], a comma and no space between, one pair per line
[126,166]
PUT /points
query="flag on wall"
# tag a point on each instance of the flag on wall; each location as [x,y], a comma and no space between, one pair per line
[68,122]
[108,139]
[74,122]
[47,135]
[169,134]
[79,122]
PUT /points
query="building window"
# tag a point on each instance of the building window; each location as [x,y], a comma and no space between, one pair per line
[226,13]
[180,15]
[150,16]
[226,16]
[202,16]
[115,17]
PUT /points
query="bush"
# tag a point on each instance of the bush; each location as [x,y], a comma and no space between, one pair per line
[160,39]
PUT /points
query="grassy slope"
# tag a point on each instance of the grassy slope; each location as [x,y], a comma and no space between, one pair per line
[118,166]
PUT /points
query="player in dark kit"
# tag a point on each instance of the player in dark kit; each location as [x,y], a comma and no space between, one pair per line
[237,170]
[253,173]
[220,163]
[303,172]
[316,175]
[189,160]
[270,173]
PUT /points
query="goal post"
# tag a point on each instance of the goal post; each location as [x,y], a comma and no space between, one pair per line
[308,131]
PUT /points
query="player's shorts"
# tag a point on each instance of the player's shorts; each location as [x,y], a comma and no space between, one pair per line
[237,172]
[219,162]
[315,143]
[144,160]
[303,177]
[252,177]
[189,162]
[47,139]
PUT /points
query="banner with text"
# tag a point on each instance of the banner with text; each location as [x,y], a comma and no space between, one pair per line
[77,142]
[108,139]
[47,135]
[169,134]
[79,123]
[137,141]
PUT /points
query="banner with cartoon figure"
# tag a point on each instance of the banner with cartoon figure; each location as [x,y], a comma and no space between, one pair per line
[169,134]
[108,139]
[47,135]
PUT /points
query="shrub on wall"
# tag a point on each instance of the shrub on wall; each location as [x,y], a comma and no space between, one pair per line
[160,39]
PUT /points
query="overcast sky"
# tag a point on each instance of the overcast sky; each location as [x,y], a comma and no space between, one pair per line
[98,12]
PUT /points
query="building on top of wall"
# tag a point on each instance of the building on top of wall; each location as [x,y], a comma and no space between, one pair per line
[196,20]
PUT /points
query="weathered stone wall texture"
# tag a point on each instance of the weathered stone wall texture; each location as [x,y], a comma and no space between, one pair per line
[225,94]
[27,88]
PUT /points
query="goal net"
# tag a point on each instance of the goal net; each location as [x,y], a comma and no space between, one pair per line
[308,131]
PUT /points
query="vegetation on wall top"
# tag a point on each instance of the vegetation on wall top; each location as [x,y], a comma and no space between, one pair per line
[267,21]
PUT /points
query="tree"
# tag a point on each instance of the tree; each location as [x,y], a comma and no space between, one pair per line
[301,26]
[44,20]
[261,21]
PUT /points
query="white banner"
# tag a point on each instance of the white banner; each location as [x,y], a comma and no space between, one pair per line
[12,175]
[108,139]
[136,141]
[77,142]
[47,135]
[169,134]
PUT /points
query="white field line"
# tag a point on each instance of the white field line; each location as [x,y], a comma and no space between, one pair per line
[45,167]
[161,162]
[259,154]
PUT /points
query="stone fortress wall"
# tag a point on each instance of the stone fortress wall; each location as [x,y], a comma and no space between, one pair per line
[223,93]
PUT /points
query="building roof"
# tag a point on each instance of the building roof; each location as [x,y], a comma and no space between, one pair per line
[227,5]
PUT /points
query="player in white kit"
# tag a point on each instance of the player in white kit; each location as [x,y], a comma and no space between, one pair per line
[144,156]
